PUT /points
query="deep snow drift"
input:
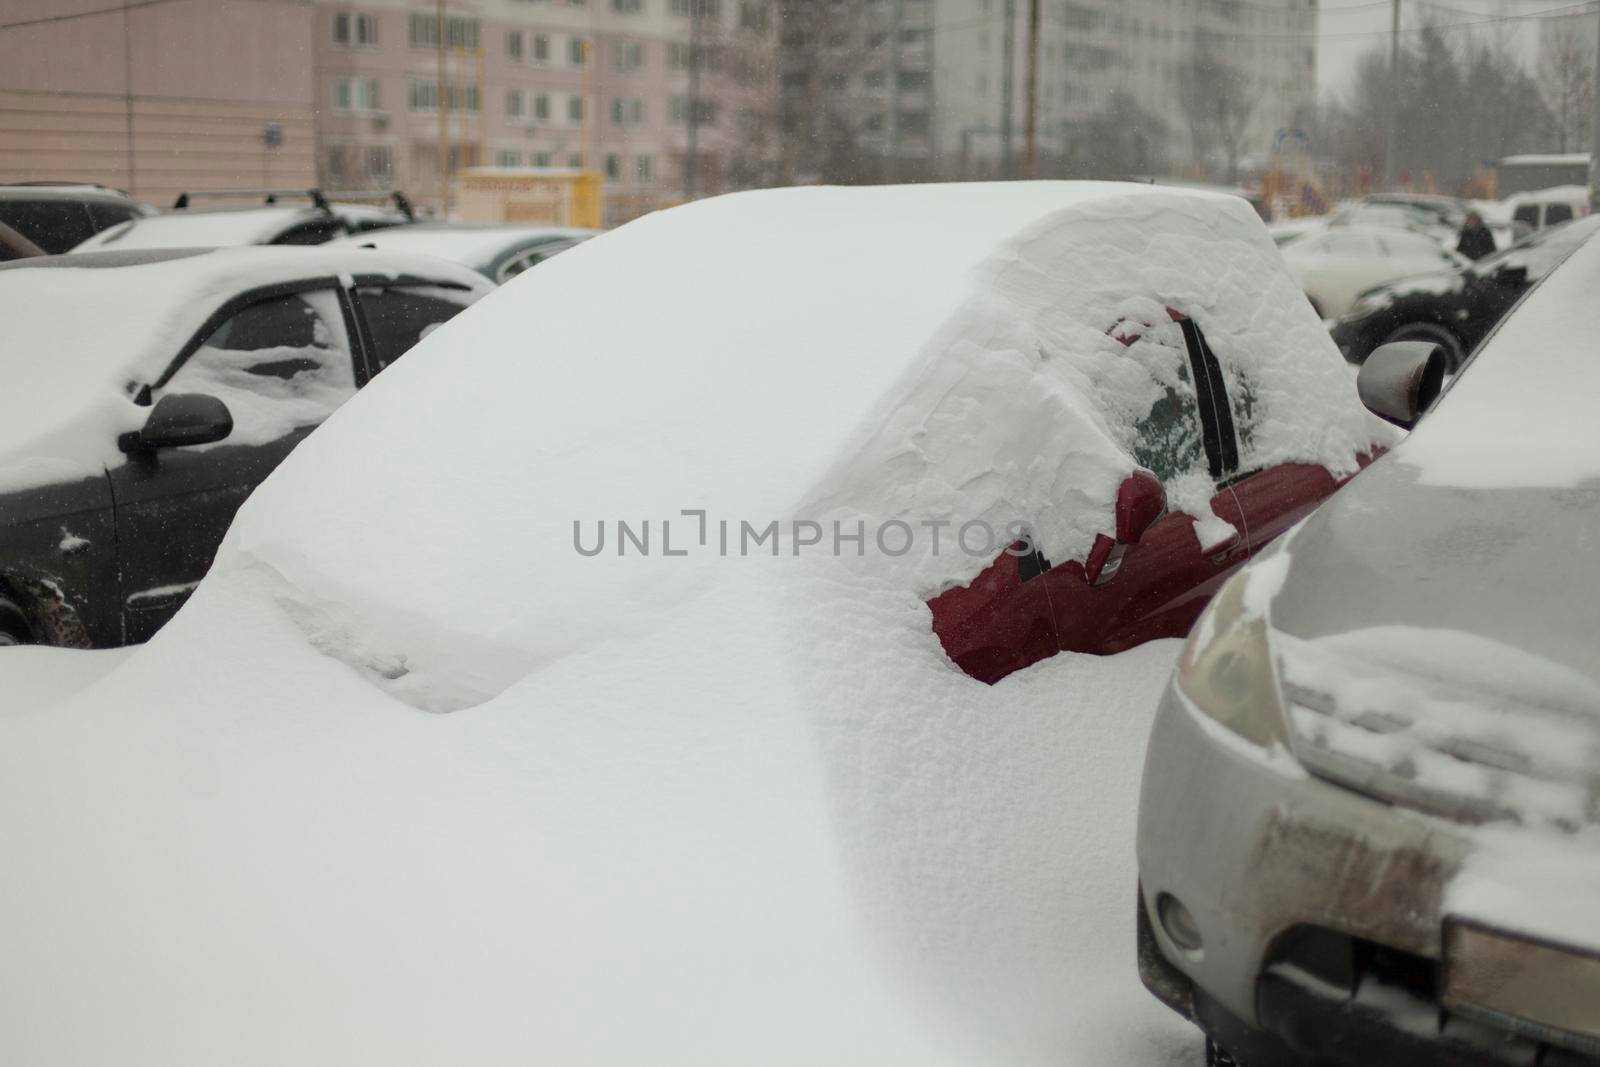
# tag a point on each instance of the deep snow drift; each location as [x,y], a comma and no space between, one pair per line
[688,809]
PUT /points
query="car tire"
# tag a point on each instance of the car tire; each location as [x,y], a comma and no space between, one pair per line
[14,628]
[1427,331]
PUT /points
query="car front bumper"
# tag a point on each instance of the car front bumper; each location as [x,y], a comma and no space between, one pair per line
[1320,912]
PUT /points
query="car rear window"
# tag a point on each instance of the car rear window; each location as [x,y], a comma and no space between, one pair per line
[54,225]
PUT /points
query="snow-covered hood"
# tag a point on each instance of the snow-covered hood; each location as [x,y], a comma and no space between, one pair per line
[1437,623]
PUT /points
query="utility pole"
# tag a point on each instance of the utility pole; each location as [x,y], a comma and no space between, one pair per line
[442,103]
[692,150]
[1007,74]
[1394,99]
[127,85]
[1030,120]
[1594,138]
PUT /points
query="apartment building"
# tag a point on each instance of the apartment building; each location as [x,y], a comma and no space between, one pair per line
[158,99]
[899,87]
[669,98]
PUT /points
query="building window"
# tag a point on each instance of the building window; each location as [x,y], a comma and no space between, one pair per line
[541,48]
[706,9]
[355,94]
[463,97]
[645,167]
[424,96]
[541,107]
[574,109]
[576,48]
[541,159]
[350,28]
[613,167]
[626,55]
[704,112]
[575,160]
[514,45]
[508,157]
[514,104]
[380,164]
[627,112]
[459,32]
[626,7]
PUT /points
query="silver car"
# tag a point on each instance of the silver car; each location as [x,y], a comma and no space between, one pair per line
[1369,829]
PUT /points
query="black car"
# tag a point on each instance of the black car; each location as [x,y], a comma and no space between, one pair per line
[1456,309]
[150,391]
[58,217]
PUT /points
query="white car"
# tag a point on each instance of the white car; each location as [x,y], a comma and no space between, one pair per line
[498,252]
[423,774]
[1337,266]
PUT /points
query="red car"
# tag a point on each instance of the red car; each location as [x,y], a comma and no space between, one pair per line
[1150,575]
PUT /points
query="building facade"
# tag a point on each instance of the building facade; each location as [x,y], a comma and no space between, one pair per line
[158,99]
[626,87]
[905,88]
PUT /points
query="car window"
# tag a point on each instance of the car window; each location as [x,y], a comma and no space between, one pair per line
[315,232]
[1556,213]
[1168,434]
[54,225]
[1528,213]
[532,257]
[278,363]
[105,216]
[399,316]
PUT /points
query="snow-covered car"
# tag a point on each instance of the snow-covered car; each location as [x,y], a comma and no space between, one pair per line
[56,216]
[274,223]
[572,696]
[1336,266]
[1294,229]
[498,252]
[151,391]
[1455,309]
[1370,822]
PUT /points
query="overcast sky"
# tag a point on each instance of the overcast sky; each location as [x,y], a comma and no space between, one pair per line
[1350,28]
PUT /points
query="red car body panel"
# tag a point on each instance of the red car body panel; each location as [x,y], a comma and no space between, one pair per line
[1147,579]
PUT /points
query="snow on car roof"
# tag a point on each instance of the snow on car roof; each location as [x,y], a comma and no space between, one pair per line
[474,246]
[85,327]
[200,229]
[906,354]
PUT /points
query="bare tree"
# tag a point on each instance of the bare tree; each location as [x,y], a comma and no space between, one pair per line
[1217,101]
[1566,81]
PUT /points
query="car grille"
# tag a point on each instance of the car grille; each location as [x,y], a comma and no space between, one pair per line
[1462,751]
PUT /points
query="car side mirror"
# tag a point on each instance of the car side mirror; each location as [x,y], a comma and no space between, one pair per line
[1141,500]
[180,419]
[1401,380]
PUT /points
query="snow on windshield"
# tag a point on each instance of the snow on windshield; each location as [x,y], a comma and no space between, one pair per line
[1539,365]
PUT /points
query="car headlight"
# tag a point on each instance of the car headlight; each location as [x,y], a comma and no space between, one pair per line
[1367,303]
[1226,669]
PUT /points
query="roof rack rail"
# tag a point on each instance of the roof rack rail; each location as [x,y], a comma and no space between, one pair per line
[402,202]
[266,196]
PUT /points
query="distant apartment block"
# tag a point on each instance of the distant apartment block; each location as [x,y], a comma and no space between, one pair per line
[158,98]
[906,88]
[613,85]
